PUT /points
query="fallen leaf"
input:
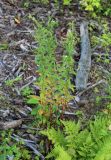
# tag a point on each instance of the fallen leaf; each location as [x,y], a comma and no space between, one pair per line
[17,20]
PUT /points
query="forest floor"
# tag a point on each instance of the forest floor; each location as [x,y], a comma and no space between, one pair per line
[18,68]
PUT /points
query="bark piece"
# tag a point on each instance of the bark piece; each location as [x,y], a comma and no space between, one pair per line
[9,125]
[85,59]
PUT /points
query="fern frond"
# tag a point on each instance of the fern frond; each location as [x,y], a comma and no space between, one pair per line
[84,137]
[92,143]
[99,129]
[71,130]
[56,137]
[71,127]
[59,153]
[104,152]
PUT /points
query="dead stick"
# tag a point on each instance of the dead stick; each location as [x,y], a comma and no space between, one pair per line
[90,87]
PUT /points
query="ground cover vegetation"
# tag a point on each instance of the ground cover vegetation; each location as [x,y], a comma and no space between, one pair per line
[54,77]
[43,115]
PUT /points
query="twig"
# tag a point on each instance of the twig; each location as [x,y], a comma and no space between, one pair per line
[103,70]
[90,87]
[67,113]
[31,128]
[34,79]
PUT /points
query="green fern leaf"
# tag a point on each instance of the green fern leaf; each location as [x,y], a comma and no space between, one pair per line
[105,151]
[56,137]
[59,153]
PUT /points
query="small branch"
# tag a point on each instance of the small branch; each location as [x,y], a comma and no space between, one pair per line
[90,87]
[33,80]
[31,128]
[67,113]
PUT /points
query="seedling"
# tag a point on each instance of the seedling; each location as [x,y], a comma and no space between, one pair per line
[26,91]
[4,46]
[55,79]
[12,81]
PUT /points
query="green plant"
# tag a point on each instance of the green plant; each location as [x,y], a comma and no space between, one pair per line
[65,2]
[97,7]
[46,62]
[57,3]
[108,94]
[12,81]
[105,99]
[91,5]
[27,91]
[54,78]
[12,149]
[26,4]
[42,1]
[91,143]
[103,41]
[4,46]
